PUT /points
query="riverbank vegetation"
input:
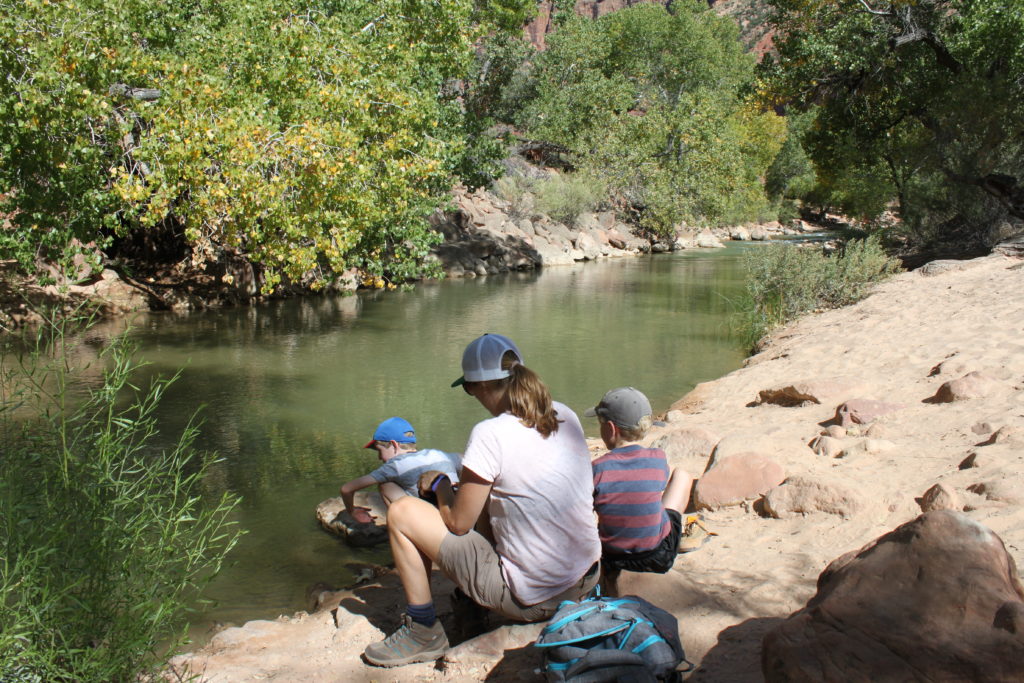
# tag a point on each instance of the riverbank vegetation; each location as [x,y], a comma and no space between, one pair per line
[314,140]
[103,536]
[784,282]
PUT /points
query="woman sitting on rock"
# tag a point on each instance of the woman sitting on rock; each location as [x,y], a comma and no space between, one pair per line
[530,468]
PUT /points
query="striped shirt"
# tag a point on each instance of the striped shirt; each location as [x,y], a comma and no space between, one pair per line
[405,469]
[628,484]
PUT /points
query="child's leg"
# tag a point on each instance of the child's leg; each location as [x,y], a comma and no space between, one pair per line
[390,492]
[677,491]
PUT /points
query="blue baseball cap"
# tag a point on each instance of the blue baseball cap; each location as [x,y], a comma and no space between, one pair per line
[393,429]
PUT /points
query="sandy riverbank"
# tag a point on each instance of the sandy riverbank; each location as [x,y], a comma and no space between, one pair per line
[914,333]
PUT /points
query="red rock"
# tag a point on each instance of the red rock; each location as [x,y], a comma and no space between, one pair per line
[971,385]
[937,599]
[737,478]
[863,411]
[820,390]
[801,495]
[940,497]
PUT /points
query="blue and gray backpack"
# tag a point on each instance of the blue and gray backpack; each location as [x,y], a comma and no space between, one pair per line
[611,639]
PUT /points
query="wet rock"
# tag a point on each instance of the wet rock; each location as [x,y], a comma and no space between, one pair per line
[940,497]
[819,390]
[803,495]
[827,446]
[736,479]
[863,411]
[332,517]
[972,385]
[900,610]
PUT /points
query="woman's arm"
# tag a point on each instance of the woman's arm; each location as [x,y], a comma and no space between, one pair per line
[461,511]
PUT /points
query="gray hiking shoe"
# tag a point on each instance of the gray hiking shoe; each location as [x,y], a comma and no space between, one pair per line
[411,643]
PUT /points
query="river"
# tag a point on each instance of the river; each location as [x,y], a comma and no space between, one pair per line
[290,391]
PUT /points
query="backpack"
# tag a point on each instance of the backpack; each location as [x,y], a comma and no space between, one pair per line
[611,639]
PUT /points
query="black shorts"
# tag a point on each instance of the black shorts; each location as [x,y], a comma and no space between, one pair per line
[658,560]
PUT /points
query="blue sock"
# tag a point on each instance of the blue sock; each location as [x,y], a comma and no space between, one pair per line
[422,614]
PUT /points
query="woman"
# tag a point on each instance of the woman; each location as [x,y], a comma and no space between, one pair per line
[529,468]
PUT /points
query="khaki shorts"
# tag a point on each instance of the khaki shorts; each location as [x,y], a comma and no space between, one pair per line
[475,567]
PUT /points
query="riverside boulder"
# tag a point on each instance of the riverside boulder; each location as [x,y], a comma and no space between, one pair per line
[937,599]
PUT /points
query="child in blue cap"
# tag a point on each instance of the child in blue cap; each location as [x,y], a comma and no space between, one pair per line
[395,443]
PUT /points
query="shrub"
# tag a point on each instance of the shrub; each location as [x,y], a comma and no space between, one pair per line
[564,198]
[103,537]
[783,282]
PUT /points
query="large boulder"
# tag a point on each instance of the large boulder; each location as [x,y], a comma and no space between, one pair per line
[735,479]
[689,447]
[802,495]
[972,385]
[937,599]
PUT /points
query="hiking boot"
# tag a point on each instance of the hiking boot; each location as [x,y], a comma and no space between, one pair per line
[411,643]
[694,535]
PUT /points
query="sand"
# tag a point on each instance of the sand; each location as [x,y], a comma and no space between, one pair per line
[915,332]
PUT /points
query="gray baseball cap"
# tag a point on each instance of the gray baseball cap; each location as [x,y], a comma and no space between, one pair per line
[481,361]
[623,406]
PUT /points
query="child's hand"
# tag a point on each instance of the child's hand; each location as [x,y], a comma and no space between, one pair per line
[362,515]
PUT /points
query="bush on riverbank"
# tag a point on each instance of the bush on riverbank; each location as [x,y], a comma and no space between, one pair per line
[784,282]
[103,537]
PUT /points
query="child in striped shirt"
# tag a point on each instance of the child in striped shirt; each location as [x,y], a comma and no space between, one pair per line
[638,499]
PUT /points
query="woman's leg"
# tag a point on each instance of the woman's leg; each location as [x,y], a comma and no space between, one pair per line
[677,491]
[416,530]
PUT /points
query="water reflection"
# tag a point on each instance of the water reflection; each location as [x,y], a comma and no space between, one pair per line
[291,390]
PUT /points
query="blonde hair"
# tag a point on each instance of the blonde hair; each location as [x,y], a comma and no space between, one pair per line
[634,433]
[528,397]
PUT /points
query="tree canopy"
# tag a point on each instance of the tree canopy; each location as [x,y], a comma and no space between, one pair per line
[918,102]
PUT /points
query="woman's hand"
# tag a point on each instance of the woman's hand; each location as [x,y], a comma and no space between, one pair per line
[426,482]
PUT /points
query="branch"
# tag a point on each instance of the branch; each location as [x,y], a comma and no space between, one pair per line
[887,13]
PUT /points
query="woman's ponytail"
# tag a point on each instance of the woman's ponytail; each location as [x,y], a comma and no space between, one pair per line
[528,397]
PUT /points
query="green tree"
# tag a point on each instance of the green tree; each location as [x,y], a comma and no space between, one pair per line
[649,101]
[311,141]
[921,103]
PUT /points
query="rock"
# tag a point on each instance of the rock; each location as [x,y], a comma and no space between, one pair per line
[589,246]
[900,610]
[739,234]
[941,266]
[690,447]
[835,431]
[332,517]
[981,428]
[488,648]
[877,431]
[863,411]
[827,446]
[940,497]
[660,248]
[819,390]
[758,234]
[868,447]
[1008,434]
[999,490]
[706,240]
[970,462]
[972,385]
[737,478]
[801,495]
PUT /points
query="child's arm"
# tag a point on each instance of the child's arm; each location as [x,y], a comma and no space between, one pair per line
[348,492]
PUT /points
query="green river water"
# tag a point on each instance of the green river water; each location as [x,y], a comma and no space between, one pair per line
[290,391]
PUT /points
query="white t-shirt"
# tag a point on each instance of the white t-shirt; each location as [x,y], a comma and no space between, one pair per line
[541,502]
